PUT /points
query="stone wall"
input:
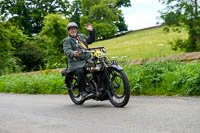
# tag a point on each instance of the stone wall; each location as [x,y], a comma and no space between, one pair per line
[187,57]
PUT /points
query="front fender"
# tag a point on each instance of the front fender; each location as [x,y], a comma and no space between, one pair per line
[116,67]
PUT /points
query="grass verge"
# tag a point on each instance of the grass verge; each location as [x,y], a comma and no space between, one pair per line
[41,83]
[166,78]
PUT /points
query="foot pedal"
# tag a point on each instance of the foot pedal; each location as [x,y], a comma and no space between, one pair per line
[84,98]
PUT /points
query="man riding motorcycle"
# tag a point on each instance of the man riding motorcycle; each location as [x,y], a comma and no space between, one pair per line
[72,46]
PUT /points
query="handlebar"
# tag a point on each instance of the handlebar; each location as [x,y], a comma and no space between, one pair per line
[92,50]
[85,51]
[95,48]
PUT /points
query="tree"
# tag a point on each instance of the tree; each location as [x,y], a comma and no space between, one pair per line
[51,38]
[76,12]
[103,14]
[32,56]
[125,3]
[5,50]
[184,13]
[81,13]
[55,28]
[29,14]
[11,38]
[121,25]
[16,36]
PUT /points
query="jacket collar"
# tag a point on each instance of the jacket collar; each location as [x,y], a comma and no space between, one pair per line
[73,39]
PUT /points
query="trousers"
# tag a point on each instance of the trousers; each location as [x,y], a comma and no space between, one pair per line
[80,73]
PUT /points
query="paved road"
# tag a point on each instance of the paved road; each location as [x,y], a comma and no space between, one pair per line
[57,114]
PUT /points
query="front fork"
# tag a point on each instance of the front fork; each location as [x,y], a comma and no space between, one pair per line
[106,72]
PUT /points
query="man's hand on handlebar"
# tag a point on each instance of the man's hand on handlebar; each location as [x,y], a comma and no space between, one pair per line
[76,54]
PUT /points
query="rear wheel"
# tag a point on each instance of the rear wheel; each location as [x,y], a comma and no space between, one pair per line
[119,90]
[74,93]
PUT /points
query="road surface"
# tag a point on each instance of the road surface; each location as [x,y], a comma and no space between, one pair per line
[57,114]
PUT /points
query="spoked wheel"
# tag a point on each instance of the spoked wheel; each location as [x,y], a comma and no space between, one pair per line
[119,92]
[74,93]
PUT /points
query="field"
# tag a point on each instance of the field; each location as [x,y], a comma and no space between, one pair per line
[141,44]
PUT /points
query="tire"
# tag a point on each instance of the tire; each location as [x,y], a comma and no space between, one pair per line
[74,93]
[119,90]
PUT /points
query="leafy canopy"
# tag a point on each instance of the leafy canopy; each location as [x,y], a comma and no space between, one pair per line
[29,14]
[105,15]
[76,12]
[51,38]
[11,38]
[55,28]
[185,13]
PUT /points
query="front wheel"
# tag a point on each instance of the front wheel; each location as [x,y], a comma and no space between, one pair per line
[119,90]
[74,93]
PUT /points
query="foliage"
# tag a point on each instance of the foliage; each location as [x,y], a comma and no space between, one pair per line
[46,28]
[29,14]
[104,15]
[5,50]
[16,35]
[76,12]
[166,78]
[141,44]
[42,83]
[125,3]
[189,79]
[55,28]
[184,13]
[51,38]
[121,24]
[158,78]
[150,78]
[32,56]
[11,39]
[105,30]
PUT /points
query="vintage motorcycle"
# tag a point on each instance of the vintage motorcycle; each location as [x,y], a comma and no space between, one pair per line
[105,80]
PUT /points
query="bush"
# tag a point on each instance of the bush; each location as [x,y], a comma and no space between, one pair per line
[51,39]
[7,61]
[55,30]
[104,30]
[11,39]
[32,57]
[189,79]
[5,52]
[166,78]
[41,83]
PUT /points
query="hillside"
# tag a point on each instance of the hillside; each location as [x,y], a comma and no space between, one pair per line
[141,44]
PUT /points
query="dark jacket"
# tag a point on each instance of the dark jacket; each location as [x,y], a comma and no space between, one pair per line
[71,44]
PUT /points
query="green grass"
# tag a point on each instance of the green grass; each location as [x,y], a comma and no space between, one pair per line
[141,44]
[158,78]
[38,83]
[165,78]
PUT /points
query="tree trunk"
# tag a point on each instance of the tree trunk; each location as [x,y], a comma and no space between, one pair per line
[196,8]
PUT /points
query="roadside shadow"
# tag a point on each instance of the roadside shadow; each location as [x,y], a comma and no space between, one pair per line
[91,105]
[94,105]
